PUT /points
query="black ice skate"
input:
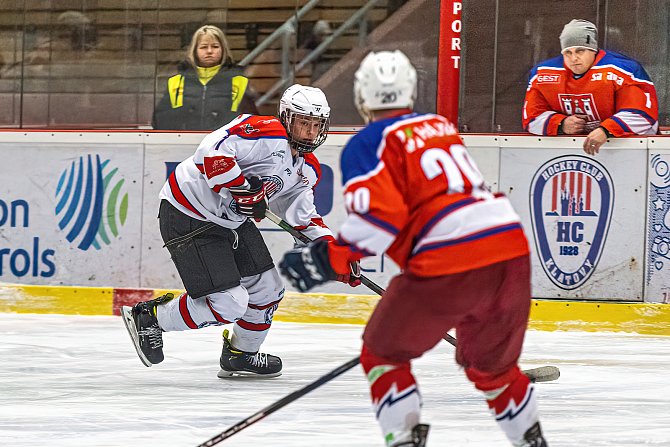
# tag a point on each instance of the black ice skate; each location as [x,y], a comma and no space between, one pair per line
[250,364]
[142,325]
[418,439]
[533,437]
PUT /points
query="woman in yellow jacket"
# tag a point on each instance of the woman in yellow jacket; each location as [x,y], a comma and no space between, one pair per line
[209,90]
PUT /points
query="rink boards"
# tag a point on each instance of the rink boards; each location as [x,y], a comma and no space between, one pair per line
[79,209]
[549,315]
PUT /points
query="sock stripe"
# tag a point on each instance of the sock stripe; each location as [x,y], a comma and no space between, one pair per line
[258,327]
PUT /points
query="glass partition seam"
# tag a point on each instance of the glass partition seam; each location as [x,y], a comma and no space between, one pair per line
[23,59]
[495,68]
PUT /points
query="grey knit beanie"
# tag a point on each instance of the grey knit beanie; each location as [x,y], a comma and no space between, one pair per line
[579,33]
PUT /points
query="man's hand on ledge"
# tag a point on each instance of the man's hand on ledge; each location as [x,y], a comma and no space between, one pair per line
[594,140]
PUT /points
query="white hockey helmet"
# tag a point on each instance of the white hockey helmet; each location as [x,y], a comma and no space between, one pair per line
[301,110]
[384,80]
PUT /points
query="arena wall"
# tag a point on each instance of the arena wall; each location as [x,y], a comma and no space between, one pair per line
[79,209]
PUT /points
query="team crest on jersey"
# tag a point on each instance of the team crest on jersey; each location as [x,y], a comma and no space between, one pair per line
[571,199]
[273,185]
[579,104]
[249,129]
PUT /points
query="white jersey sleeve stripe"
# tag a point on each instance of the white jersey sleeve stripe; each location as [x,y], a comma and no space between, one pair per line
[637,122]
[538,125]
[366,234]
[470,219]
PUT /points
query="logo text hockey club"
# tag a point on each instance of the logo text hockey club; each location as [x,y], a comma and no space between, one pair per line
[571,200]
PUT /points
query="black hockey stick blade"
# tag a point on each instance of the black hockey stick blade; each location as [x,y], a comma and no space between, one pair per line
[281,403]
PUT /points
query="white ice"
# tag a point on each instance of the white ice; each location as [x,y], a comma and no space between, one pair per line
[76,381]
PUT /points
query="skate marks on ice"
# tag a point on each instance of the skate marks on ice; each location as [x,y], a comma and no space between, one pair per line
[70,381]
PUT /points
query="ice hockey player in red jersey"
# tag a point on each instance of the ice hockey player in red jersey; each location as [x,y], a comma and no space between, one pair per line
[206,207]
[589,91]
[412,190]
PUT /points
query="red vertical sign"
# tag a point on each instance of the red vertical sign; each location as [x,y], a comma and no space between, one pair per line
[449,59]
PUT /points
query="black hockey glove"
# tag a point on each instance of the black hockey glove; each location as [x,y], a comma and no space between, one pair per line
[251,202]
[308,266]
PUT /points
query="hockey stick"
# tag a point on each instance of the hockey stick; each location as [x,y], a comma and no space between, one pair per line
[281,403]
[540,374]
[306,240]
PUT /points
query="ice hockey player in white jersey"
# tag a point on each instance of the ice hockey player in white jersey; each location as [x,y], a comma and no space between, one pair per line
[206,207]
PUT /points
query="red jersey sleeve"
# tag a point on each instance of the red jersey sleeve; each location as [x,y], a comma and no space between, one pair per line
[538,116]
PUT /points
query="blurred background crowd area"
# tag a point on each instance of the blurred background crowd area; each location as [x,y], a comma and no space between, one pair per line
[88,64]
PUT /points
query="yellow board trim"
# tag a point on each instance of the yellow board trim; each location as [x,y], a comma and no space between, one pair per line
[56,300]
[643,318]
[545,315]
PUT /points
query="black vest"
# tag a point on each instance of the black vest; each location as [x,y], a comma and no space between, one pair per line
[194,106]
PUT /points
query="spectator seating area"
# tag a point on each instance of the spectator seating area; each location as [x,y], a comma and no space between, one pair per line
[98,63]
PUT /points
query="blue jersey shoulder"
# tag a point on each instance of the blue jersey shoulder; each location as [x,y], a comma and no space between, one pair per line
[359,156]
[625,63]
[554,62]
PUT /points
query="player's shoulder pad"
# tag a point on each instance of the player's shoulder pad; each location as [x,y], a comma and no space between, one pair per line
[312,168]
[362,154]
[626,64]
[359,156]
[255,127]
[553,64]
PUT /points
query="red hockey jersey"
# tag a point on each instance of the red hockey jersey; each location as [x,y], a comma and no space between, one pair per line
[615,93]
[412,190]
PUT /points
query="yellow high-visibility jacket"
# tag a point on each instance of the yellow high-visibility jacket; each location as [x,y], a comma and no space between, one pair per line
[189,105]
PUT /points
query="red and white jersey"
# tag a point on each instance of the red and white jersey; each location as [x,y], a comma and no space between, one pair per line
[615,93]
[412,190]
[248,145]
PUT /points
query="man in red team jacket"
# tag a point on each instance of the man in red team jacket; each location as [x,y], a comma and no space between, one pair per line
[589,91]
[413,192]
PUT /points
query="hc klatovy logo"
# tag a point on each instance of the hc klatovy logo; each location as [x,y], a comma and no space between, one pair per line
[571,199]
[91,204]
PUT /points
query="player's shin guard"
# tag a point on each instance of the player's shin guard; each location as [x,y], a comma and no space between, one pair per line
[395,397]
[218,308]
[265,294]
[512,401]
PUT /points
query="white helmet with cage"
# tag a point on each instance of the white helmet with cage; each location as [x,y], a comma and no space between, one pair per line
[305,114]
[384,80]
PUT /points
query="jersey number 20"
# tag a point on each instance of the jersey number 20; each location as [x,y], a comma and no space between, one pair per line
[454,167]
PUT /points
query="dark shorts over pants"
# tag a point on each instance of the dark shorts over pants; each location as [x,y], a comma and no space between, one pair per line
[208,257]
[488,306]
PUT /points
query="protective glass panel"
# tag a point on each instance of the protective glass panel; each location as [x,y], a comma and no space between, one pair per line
[500,46]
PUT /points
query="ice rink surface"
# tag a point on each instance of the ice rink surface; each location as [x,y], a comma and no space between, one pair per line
[76,381]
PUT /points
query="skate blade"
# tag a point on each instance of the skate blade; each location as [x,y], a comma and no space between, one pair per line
[542,374]
[223,374]
[126,314]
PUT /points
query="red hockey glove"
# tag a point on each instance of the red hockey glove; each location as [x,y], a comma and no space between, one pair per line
[251,202]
